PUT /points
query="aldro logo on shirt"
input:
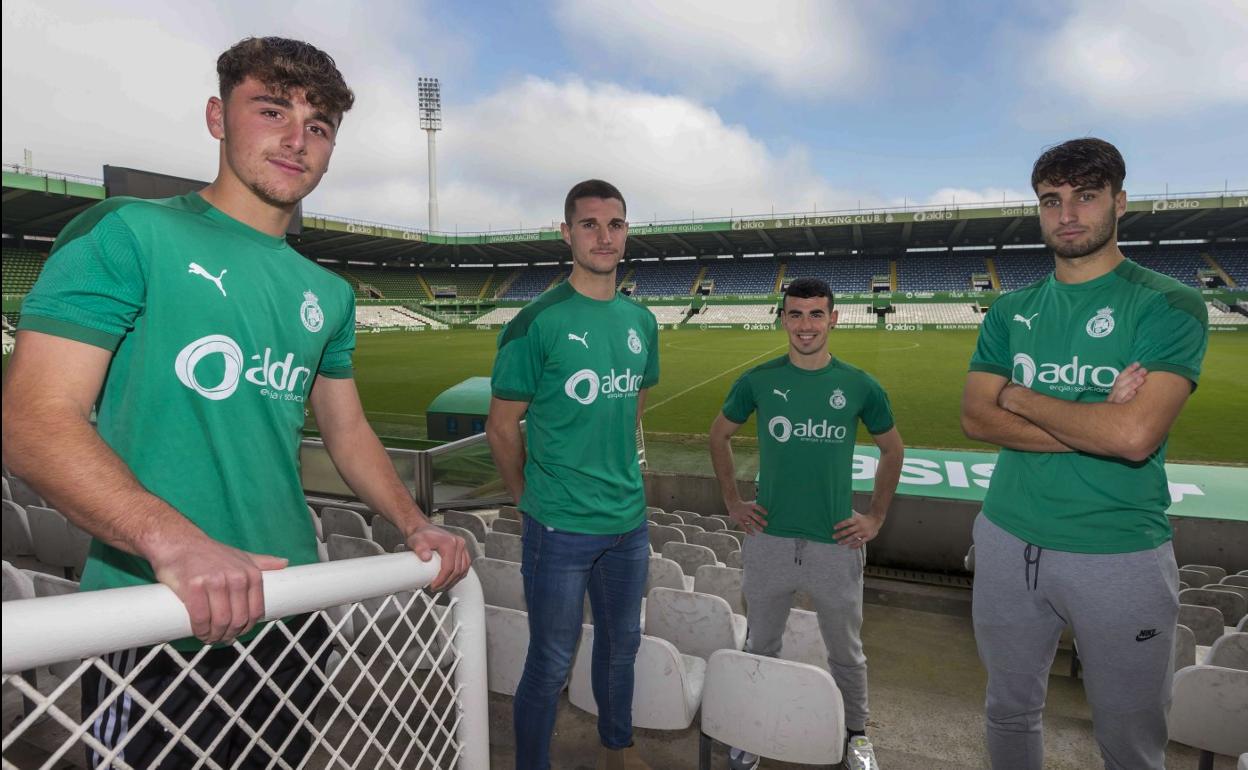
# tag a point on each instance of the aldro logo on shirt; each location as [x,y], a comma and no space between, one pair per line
[782,429]
[279,380]
[1072,377]
[585,386]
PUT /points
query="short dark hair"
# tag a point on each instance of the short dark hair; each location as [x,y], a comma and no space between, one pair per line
[1086,162]
[284,65]
[590,188]
[805,288]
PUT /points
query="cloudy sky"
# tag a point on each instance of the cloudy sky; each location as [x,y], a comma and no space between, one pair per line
[695,108]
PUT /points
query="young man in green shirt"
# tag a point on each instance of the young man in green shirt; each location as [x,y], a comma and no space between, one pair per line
[1078,378]
[802,532]
[202,335]
[577,362]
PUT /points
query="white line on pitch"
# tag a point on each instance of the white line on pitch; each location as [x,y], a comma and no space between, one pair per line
[652,407]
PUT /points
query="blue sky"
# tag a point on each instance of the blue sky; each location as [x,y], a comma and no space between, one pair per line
[694,108]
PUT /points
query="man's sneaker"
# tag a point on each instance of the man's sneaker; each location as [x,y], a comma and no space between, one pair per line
[741,760]
[860,754]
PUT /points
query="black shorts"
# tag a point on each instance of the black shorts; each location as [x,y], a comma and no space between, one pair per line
[234,747]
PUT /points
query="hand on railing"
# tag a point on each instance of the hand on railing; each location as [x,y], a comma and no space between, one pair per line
[454,552]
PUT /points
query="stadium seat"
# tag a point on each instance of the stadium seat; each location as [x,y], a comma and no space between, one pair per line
[475,549]
[688,517]
[501,583]
[688,529]
[724,582]
[4,484]
[1195,578]
[1242,625]
[651,510]
[1183,586]
[57,542]
[698,624]
[711,523]
[1216,573]
[469,521]
[316,524]
[386,535]
[1230,604]
[348,547]
[1184,647]
[17,584]
[1230,651]
[774,708]
[667,686]
[661,535]
[734,560]
[666,519]
[1208,710]
[1235,580]
[508,526]
[509,512]
[16,531]
[343,521]
[689,556]
[968,561]
[721,543]
[1243,761]
[1207,623]
[737,535]
[1241,590]
[665,573]
[21,493]
[507,646]
[500,545]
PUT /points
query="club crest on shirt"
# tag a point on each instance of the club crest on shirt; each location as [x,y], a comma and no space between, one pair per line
[837,401]
[1101,324]
[310,313]
[634,341]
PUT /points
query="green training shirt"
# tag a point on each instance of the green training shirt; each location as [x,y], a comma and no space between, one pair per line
[807,426]
[1071,341]
[580,363]
[217,332]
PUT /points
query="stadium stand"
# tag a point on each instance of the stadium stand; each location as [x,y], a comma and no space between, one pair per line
[1234,261]
[841,273]
[532,281]
[753,276]
[859,313]
[21,268]
[939,272]
[384,316]
[498,316]
[663,279]
[392,283]
[1219,317]
[468,283]
[669,314]
[1016,269]
[1181,262]
[735,314]
[935,313]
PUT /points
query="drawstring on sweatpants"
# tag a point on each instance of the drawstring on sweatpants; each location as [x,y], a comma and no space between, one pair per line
[1032,559]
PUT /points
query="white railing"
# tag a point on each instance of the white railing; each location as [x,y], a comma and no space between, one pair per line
[400,681]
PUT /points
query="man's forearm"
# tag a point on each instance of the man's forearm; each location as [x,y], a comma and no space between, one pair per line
[725,470]
[507,448]
[887,475]
[1096,428]
[87,482]
[363,463]
[995,425]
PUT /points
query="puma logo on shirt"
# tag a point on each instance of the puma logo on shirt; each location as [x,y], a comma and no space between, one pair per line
[580,339]
[1025,321]
[195,269]
[782,394]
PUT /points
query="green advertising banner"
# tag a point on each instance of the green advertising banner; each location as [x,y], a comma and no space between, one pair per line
[1200,491]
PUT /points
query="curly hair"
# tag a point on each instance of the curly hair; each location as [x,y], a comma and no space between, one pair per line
[284,65]
[1086,162]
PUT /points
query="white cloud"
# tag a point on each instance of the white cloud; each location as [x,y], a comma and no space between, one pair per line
[801,47]
[962,196]
[1138,58]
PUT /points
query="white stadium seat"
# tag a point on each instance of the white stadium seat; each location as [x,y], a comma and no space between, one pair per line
[667,686]
[697,624]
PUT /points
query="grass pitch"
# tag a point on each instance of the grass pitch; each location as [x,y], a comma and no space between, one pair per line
[399,374]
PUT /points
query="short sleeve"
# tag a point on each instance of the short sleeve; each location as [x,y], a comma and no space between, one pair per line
[651,376]
[1172,336]
[877,411]
[336,360]
[519,362]
[740,403]
[992,351]
[92,288]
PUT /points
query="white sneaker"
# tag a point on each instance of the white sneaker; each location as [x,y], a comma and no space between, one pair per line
[741,760]
[860,754]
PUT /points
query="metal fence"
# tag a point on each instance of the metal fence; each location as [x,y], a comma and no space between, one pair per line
[367,671]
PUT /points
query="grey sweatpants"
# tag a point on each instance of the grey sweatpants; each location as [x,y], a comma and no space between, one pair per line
[1123,608]
[776,567]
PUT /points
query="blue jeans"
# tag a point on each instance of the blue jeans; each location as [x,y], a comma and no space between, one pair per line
[557,568]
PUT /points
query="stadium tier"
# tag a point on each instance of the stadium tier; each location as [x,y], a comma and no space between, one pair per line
[661,279]
[1181,262]
[466,284]
[744,277]
[532,281]
[857,314]
[1219,317]
[939,272]
[935,313]
[1234,262]
[735,314]
[841,273]
[1016,269]
[497,317]
[667,315]
[21,268]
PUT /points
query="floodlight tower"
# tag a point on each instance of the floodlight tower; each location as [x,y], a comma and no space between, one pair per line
[429,91]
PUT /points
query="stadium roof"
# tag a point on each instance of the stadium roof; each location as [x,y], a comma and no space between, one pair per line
[39,204]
